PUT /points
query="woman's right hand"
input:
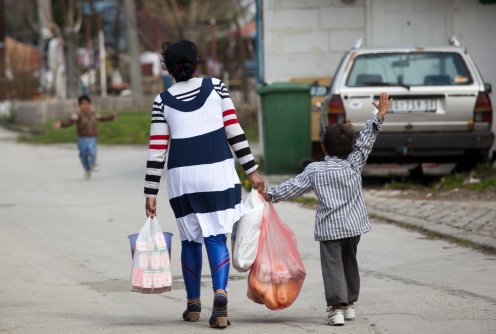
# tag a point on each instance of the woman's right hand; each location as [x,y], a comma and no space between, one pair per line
[151,207]
[257,181]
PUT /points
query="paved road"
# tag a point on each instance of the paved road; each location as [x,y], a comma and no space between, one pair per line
[65,261]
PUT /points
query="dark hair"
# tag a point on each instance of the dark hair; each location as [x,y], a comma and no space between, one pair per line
[339,140]
[84,98]
[180,59]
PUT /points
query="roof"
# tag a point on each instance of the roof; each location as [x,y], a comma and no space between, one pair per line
[410,48]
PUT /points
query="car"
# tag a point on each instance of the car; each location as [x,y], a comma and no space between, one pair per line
[441,109]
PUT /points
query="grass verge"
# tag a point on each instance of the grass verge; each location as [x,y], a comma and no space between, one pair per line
[481,178]
[129,128]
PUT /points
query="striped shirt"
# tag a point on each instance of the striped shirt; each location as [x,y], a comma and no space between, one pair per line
[160,130]
[341,212]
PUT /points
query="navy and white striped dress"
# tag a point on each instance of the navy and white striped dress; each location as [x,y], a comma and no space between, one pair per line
[195,121]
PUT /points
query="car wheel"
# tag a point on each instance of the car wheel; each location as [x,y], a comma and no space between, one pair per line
[470,160]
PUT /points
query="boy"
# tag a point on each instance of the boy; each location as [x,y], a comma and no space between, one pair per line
[341,215]
[87,129]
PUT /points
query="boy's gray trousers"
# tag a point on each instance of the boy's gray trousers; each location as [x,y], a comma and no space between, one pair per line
[340,270]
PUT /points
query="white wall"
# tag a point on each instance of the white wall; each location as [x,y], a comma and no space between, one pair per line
[307,38]
[474,25]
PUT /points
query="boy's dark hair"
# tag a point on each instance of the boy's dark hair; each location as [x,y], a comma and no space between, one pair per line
[339,140]
[84,98]
[180,59]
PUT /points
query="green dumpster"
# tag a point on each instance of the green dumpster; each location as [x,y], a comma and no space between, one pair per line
[285,126]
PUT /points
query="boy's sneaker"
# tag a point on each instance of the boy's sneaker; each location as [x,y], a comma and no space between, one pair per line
[87,175]
[349,312]
[95,168]
[335,317]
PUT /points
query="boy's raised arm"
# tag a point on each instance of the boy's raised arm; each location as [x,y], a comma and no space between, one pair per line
[383,106]
[368,135]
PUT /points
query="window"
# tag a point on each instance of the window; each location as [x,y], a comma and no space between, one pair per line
[411,69]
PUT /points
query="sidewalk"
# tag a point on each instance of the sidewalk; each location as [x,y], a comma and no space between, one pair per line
[469,222]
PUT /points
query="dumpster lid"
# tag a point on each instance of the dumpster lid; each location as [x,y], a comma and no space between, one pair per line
[284,87]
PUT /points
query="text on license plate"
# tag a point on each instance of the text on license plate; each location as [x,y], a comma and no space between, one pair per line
[413,106]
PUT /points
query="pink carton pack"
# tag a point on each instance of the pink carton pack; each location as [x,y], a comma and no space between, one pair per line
[147,279]
[142,246]
[160,241]
[167,278]
[143,260]
[158,280]
[164,260]
[137,280]
[155,260]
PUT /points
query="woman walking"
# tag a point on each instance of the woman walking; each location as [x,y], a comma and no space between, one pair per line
[195,120]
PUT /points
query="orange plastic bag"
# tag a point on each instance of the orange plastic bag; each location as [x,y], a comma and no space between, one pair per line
[278,273]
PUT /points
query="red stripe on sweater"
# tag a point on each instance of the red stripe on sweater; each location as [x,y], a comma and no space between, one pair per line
[230,121]
[157,147]
[229,112]
[158,137]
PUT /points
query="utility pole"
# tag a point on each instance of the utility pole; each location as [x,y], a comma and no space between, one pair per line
[45,17]
[2,50]
[132,39]
[102,56]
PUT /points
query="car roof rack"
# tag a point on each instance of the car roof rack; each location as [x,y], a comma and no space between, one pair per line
[358,43]
[453,41]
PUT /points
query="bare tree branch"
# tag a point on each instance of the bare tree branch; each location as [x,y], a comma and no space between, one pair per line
[175,17]
[28,18]
[79,20]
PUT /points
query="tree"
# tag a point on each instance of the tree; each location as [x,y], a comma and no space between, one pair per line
[132,37]
[67,30]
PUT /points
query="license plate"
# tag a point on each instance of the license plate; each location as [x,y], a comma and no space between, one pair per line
[413,106]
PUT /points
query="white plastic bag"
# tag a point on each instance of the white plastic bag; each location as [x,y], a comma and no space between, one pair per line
[151,263]
[248,232]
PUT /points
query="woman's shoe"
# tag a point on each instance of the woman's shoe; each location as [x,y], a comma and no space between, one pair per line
[192,312]
[219,312]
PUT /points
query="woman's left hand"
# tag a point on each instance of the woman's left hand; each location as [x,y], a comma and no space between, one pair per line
[151,207]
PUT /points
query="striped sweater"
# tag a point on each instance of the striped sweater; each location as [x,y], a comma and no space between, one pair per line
[160,130]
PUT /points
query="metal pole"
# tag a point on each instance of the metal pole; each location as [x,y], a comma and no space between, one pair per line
[102,55]
[259,41]
[2,40]
[2,52]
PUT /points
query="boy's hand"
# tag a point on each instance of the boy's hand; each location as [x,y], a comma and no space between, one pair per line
[265,195]
[384,104]
[57,124]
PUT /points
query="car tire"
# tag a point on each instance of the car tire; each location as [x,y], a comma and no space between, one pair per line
[470,160]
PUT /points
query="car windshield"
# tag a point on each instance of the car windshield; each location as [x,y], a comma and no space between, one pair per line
[408,69]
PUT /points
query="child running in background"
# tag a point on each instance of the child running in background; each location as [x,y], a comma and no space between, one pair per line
[87,130]
[341,216]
